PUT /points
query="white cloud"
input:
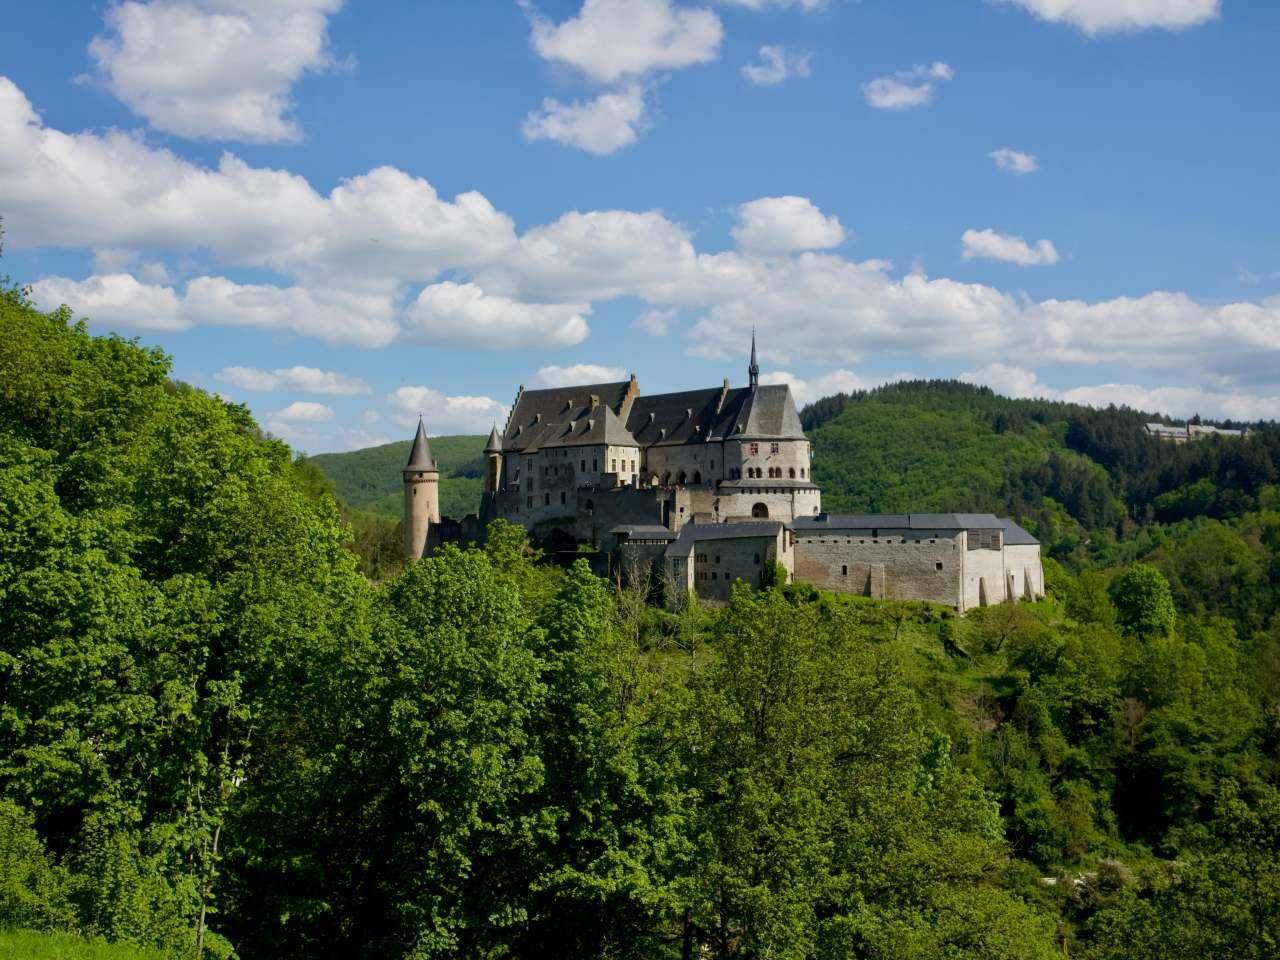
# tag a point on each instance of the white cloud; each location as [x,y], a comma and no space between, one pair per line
[777,64]
[764,4]
[335,316]
[785,225]
[120,301]
[299,378]
[906,88]
[612,39]
[579,373]
[219,69]
[1175,401]
[445,414]
[1015,161]
[1106,16]
[302,411]
[464,315]
[990,245]
[597,256]
[601,126]
[378,229]
[824,385]
[114,301]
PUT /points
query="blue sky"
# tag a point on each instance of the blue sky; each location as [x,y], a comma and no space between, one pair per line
[344,213]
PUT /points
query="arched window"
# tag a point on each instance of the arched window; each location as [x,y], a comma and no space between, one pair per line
[680,479]
[697,476]
[760,511]
[793,473]
[666,479]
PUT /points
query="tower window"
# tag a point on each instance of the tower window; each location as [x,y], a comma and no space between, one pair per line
[584,466]
[546,499]
[774,448]
[844,570]
[937,565]
[562,498]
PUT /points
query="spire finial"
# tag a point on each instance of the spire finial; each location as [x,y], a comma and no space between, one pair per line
[753,371]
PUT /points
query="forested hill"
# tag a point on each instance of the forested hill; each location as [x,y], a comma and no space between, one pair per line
[369,479]
[1074,474]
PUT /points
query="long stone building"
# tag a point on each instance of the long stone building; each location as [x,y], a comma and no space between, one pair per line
[706,487]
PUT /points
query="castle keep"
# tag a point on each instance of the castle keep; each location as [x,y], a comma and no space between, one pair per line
[706,487]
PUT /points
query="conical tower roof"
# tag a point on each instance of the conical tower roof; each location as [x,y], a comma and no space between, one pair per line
[753,371]
[420,455]
[495,444]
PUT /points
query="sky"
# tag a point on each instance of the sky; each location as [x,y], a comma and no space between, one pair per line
[344,213]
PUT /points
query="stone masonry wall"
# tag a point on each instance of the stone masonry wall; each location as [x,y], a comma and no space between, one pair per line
[896,564]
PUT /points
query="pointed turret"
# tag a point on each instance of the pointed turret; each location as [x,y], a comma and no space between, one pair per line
[493,454]
[420,455]
[753,371]
[421,494]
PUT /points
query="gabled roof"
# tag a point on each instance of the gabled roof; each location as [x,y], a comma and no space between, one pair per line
[770,412]
[420,455]
[559,417]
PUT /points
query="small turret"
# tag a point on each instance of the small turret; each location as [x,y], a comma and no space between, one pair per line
[493,454]
[753,371]
[421,494]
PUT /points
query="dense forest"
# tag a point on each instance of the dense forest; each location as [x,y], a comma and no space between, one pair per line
[220,735]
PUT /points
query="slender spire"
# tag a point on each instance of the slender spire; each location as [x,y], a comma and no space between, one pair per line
[753,372]
[495,444]
[420,455]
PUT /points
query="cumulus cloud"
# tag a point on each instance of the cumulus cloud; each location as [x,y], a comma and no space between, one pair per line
[764,4]
[219,69]
[1015,161]
[554,376]
[825,385]
[120,301]
[656,322]
[115,301]
[601,126]
[464,315]
[443,413]
[299,378]
[777,64]
[906,88]
[785,225]
[990,245]
[1181,402]
[112,190]
[1108,16]
[303,411]
[612,39]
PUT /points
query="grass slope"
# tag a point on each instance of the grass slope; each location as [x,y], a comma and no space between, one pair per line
[30,945]
[369,479]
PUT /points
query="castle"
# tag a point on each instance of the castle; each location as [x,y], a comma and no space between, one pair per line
[706,487]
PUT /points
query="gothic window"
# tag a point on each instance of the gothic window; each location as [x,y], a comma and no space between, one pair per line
[760,511]
[697,476]
[793,473]
[680,479]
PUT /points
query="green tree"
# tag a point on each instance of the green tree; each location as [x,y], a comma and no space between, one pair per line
[1144,602]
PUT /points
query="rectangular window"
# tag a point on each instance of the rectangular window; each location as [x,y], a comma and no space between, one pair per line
[546,499]
[562,498]
[584,466]
[595,465]
[613,466]
[754,449]
[773,448]
[529,502]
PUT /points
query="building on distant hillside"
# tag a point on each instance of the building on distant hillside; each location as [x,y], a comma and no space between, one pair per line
[706,487]
[1189,431]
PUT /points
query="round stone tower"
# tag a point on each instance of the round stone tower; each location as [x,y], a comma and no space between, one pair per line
[493,455]
[421,494]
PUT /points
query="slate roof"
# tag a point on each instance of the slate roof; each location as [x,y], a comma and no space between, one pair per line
[495,442]
[420,454]
[1014,535]
[698,532]
[564,416]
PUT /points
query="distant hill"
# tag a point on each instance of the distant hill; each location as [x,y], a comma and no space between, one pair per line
[369,479]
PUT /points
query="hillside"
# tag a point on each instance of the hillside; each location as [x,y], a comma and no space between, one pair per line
[369,479]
